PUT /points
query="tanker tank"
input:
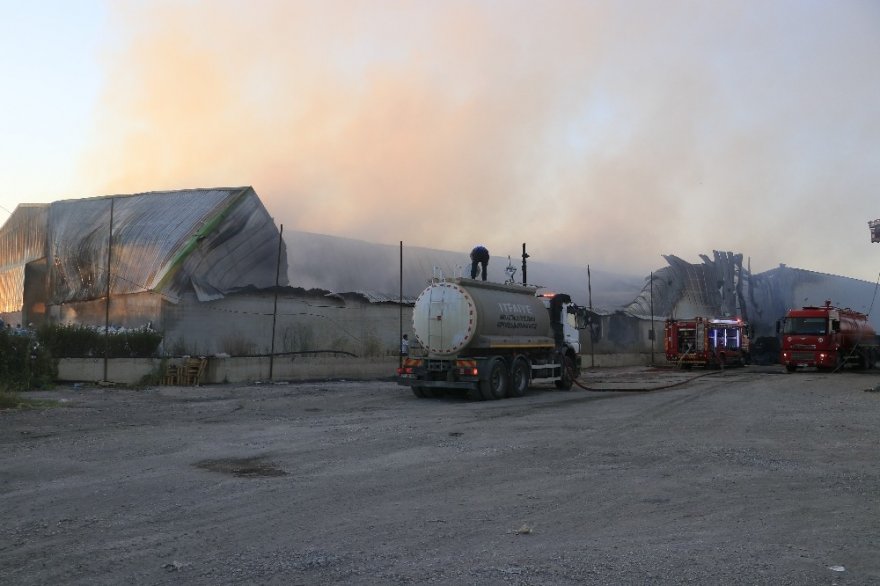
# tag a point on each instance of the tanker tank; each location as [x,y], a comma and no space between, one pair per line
[463,316]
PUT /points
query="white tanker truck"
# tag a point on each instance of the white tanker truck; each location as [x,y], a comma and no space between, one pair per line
[491,339]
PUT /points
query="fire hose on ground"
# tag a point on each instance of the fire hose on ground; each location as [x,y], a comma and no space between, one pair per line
[641,389]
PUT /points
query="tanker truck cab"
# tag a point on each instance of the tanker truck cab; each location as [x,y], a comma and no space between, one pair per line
[566,317]
[827,338]
[492,340]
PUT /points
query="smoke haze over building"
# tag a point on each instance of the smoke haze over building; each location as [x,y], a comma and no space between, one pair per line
[607,133]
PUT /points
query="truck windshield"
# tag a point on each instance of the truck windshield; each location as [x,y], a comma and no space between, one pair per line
[725,338]
[806,326]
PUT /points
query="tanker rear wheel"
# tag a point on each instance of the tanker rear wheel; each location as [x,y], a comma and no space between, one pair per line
[519,377]
[495,386]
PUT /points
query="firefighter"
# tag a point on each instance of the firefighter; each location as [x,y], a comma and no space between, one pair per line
[479,257]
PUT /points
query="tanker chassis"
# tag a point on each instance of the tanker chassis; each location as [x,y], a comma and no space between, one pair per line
[491,340]
[827,338]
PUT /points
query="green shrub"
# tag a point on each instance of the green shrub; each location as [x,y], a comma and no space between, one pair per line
[24,363]
[78,341]
[69,341]
[141,343]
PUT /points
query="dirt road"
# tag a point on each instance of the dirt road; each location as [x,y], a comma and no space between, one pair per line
[746,476]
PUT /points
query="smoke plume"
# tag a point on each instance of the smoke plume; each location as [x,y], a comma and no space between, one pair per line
[598,132]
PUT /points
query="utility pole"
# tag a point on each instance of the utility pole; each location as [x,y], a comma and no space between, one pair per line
[400,312]
[590,304]
[275,306]
[525,255]
[107,292]
[874,227]
[653,333]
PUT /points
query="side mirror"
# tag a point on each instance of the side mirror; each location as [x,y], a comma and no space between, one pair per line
[581,319]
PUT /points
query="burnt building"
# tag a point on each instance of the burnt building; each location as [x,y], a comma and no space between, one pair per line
[60,261]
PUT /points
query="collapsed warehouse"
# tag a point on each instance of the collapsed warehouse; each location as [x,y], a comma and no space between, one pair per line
[131,260]
[202,265]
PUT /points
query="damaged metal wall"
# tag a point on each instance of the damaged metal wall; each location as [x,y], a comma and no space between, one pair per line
[722,287]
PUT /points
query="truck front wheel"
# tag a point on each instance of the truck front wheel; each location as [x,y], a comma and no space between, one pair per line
[495,386]
[564,383]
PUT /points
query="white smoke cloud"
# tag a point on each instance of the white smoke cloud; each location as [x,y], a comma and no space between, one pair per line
[602,133]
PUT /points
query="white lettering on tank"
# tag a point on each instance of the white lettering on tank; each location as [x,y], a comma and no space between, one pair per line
[515,308]
[516,316]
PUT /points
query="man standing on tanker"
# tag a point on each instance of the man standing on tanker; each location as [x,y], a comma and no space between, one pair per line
[479,256]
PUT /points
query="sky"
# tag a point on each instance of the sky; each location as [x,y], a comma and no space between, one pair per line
[606,133]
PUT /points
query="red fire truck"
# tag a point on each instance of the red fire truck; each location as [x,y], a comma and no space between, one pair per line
[828,338]
[709,342]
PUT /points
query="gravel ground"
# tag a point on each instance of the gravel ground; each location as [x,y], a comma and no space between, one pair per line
[745,476]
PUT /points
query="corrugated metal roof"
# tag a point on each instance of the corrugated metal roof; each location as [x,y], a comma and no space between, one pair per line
[150,234]
[210,240]
[23,236]
[22,240]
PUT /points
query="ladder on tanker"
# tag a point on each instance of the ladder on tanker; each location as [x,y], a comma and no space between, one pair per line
[436,301]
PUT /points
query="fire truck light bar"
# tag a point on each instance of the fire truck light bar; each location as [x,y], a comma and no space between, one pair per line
[729,322]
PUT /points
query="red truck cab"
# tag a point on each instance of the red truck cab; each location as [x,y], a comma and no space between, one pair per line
[827,338]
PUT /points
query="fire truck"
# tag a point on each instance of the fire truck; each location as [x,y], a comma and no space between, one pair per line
[827,338]
[708,342]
